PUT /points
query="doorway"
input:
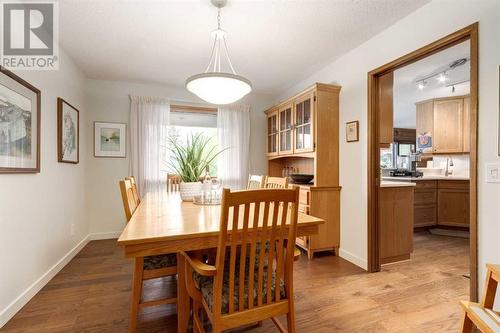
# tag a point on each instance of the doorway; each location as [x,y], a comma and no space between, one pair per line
[380,83]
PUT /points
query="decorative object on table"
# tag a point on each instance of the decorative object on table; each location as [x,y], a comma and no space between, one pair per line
[109,139]
[216,86]
[68,132]
[19,125]
[301,178]
[352,131]
[189,159]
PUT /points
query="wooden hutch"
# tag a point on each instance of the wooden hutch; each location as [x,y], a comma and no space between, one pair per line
[303,135]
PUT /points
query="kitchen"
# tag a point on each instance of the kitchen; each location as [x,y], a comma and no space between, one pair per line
[424,191]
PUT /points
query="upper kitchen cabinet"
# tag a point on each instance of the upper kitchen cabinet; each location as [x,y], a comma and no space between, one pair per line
[385,109]
[303,123]
[443,125]
[285,119]
[272,132]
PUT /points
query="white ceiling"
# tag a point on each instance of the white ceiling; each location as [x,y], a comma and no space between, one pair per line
[405,90]
[272,42]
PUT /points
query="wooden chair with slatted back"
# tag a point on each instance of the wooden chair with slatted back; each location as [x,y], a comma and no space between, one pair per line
[276,182]
[258,257]
[173,183]
[135,191]
[255,182]
[145,268]
[482,314]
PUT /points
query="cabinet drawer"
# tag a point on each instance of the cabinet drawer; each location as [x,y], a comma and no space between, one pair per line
[304,197]
[425,216]
[454,184]
[425,197]
[428,184]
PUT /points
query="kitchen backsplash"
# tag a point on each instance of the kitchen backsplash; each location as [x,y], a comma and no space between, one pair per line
[460,163]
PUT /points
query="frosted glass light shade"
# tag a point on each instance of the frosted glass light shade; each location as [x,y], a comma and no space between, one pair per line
[219,88]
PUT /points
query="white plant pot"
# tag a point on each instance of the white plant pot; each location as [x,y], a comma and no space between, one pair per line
[188,190]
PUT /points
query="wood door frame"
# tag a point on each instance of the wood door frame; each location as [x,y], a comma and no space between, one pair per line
[468,33]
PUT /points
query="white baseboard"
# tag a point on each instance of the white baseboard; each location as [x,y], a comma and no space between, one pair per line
[358,261]
[16,305]
[104,235]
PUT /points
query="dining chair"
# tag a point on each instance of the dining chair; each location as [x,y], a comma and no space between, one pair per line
[135,191]
[251,277]
[255,182]
[276,182]
[173,183]
[145,268]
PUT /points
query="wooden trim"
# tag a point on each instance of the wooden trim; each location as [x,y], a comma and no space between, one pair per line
[26,84]
[60,102]
[468,33]
[192,109]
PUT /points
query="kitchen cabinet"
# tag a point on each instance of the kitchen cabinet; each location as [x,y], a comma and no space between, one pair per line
[285,129]
[272,133]
[453,203]
[405,135]
[309,121]
[448,126]
[466,129]
[447,122]
[396,224]
[303,123]
[385,109]
[441,203]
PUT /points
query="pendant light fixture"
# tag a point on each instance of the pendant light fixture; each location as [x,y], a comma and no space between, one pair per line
[214,85]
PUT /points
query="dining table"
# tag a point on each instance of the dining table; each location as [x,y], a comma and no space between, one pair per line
[163,224]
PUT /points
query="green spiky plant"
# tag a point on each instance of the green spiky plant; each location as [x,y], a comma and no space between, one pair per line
[190,160]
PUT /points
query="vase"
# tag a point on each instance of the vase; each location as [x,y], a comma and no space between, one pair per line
[188,190]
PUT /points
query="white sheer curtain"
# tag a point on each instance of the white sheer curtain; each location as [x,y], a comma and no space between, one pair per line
[149,119]
[233,129]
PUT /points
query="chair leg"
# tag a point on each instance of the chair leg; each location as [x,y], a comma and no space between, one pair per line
[467,324]
[290,316]
[136,293]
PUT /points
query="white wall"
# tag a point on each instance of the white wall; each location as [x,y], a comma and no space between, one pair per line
[429,23]
[37,210]
[109,101]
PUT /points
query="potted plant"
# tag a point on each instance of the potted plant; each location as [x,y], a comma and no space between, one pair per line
[189,160]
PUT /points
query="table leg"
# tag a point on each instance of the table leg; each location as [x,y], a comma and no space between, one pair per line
[182,296]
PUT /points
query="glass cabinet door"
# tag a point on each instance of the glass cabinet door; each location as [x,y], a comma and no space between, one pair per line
[285,129]
[304,140]
[272,133]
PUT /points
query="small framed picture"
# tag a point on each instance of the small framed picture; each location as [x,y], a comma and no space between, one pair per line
[352,131]
[68,132]
[19,124]
[109,139]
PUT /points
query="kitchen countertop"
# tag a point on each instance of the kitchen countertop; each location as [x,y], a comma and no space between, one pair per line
[392,183]
[436,177]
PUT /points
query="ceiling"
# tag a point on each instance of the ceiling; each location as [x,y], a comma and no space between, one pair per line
[405,91]
[274,43]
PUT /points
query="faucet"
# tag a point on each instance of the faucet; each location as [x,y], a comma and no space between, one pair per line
[449,163]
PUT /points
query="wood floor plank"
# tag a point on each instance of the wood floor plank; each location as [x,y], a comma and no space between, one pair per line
[92,293]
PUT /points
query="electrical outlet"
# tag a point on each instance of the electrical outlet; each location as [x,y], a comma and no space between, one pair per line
[493,173]
[72,229]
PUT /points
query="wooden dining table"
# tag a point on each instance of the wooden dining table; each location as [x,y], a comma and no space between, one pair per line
[163,223]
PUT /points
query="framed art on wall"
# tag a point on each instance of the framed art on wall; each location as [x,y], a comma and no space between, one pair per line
[109,139]
[352,131]
[68,132]
[19,125]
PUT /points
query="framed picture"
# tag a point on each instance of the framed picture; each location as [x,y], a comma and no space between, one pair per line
[68,132]
[109,139]
[352,131]
[19,125]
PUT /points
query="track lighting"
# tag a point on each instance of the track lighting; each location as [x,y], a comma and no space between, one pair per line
[421,85]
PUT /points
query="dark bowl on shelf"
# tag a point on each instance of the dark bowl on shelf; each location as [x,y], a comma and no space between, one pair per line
[301,178]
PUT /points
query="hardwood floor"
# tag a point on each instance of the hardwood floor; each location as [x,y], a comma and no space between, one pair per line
[92,294]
